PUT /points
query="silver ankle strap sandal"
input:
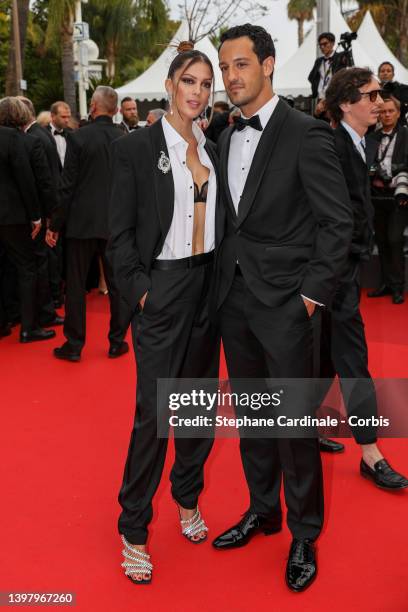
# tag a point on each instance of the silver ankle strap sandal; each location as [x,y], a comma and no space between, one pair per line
[193,526]
[140,563]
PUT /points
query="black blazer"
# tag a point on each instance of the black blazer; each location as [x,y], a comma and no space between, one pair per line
[400,154]
[83,195]
[141,208]
[50,148]
[314,76]
[293,228]
[358,184]
[46,189]
[18,195]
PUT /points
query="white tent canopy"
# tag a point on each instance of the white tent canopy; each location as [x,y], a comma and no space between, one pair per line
[291,78]
[150,84]
[370,38]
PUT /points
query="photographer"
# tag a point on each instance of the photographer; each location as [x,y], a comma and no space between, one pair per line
[390,198]
[386,73]
[325,65]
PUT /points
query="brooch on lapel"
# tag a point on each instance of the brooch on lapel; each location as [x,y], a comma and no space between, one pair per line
[164,163]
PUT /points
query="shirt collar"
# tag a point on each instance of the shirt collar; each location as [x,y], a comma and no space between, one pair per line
[29,125]
[173,137]
[355,137]
[265,112]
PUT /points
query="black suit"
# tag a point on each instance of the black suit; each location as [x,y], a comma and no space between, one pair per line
[172,336]
[54,255]
[290,237]
[83,211]
[19,206]
[343,343]
[314,76]
[390,219]
[47,195]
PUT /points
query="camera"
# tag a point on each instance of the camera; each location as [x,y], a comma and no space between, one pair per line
[347,38]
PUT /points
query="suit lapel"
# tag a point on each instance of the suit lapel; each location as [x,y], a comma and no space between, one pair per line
[261,159]
[224,154]
[399,146]
[163,182]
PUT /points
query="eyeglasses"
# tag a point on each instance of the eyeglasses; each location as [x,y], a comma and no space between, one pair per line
[324,44]
[373,95]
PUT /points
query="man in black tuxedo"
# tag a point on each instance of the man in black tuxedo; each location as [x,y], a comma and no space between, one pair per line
[20,215]
[390,202]
[130,116]
[83,210]
[354,102]
[284,234]
[325,65]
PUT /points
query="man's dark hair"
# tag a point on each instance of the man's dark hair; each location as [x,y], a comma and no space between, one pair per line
[223,106]
[127,99]
[328,35]
[386,64]
[344,87]
[262,41]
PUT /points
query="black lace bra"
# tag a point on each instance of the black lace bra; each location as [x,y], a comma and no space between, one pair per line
[200,195]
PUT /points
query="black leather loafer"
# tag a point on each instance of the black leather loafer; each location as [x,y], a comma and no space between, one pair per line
[383,475]
[117,351]
[241,533]
[330,446]
[67,352]
[380,292]
[301,569]
[36,335]
[398,297]
[5,330]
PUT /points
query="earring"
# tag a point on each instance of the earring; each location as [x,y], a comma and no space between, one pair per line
[170,102]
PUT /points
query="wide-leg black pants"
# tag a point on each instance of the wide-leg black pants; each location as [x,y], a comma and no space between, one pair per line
[173,338]
[260,341]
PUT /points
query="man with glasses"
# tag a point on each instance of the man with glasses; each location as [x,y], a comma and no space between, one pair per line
[325,66]
[354,102]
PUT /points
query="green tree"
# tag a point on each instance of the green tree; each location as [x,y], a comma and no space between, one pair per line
[301,11]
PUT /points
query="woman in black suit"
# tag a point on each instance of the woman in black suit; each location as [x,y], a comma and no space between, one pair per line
[162,239]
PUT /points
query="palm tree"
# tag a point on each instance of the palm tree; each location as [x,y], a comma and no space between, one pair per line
[60,31]
[12,87]
[301,10]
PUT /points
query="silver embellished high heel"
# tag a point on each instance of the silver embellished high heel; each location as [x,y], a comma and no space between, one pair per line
[141,563]
[193,526]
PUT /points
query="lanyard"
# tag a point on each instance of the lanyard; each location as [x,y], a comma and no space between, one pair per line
[382,152]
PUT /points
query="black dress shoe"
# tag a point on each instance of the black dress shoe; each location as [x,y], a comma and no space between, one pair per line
[330,446]
[5,330]
[380,292]
[36,335]
[67,352]
[383,475]
[57,320]
[301,569]
[398,297]
[117,351]
[249,525]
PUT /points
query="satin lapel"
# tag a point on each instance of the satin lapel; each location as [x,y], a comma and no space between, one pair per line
[261,159]
[163,182]
[224,153]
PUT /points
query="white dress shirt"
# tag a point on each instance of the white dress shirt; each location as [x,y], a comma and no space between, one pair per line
[179,240]
[61,143]
[387,146]
[326,74]
[358,142]
[242,150]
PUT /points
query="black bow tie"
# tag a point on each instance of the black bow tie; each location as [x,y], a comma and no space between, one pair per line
[254,122]
[59,133]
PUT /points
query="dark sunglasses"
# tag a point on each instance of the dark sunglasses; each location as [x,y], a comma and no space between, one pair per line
[373,95]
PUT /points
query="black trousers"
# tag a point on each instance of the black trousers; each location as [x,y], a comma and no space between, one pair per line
[45,303]
[390,221]
[260,341]
[343,351]
[172,338]
[79,253]
[55,268]
[20,249]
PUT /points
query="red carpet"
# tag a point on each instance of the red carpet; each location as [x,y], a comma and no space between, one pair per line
[64,437]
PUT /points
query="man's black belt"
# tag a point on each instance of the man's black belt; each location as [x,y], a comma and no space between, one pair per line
[185,263]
